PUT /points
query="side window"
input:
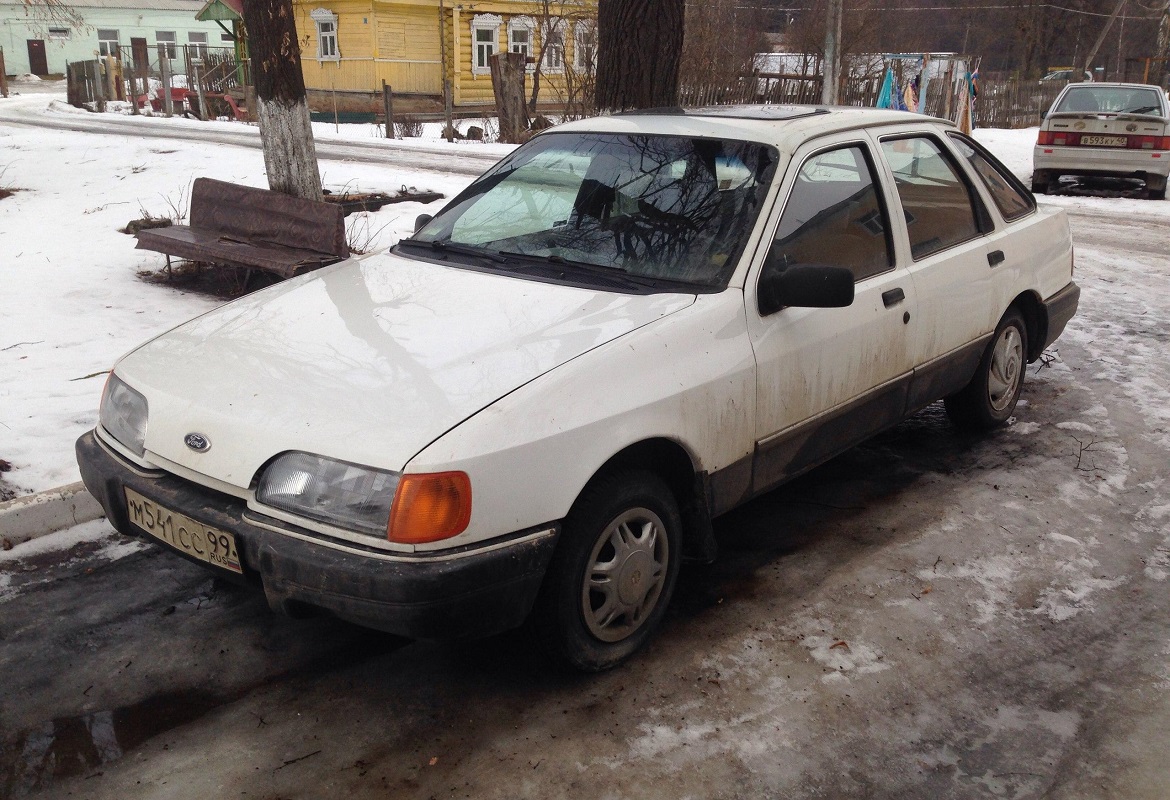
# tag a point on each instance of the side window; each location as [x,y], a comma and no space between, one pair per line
[834,216]
[1007,192]
[935,199]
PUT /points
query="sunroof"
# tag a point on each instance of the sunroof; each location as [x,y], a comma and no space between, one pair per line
[768,112]
[762,112]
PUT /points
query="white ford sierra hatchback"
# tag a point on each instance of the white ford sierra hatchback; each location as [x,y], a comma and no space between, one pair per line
[532,409]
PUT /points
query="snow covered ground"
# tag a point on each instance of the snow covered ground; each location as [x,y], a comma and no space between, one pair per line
[70,298]
[71,301]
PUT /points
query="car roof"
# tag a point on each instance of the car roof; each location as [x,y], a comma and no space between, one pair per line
[785,126]
[1111,84]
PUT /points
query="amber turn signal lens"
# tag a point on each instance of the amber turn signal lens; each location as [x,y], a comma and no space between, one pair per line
[430,507]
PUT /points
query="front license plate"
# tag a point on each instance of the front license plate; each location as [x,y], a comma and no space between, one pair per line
[183,533]
[1104,141]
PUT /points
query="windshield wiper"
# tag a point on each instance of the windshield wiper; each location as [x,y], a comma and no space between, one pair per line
[615,274]
[444,246]
[1139,110]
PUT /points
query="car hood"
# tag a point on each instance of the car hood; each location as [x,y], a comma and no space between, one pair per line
[367,361]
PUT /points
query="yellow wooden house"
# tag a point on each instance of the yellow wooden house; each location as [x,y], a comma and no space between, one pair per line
[349,47]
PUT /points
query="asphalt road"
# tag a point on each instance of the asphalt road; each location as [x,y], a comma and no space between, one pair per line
[928,616]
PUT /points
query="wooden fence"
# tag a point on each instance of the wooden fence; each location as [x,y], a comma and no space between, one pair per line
[1007,103]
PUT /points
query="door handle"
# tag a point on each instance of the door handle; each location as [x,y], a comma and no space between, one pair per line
[995,258]
[893,297]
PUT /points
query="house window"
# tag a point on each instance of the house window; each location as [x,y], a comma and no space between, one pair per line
[168,38]
[198,43]
[326,34]
[585,47]
[108,42]
[63,34]
[485,36]
[554,45]
[227,38]
[520,36]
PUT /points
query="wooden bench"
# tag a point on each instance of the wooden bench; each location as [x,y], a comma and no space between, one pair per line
[253,228]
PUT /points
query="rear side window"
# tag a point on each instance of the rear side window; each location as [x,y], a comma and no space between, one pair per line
[834,216]
[1007,192]
[935,199]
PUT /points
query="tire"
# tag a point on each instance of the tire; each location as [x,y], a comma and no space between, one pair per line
[990,398]
[613,572]
[1039,182]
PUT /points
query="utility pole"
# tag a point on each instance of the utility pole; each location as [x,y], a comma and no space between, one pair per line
[1101,38]
[832,67]
[1164,40]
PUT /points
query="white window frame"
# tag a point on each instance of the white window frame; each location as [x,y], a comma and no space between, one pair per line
[584,30]
[172,43]
[200,45]
[105,42]
[552,61]
[528,25]
[328,46]
[60,34]
[484,22]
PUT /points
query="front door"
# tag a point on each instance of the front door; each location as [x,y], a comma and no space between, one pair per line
[38,64]
[827,378]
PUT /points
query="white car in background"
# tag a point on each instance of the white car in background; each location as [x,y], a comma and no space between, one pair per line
[1111,130]
[534,407]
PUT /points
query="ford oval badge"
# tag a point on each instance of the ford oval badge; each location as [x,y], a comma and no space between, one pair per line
[197,442]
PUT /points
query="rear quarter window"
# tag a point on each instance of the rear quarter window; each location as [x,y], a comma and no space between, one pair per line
[1010,196]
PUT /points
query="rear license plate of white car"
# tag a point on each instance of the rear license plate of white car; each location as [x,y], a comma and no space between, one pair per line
[183,533]
[1104,141]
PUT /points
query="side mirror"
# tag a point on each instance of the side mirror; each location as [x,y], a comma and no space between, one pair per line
[804,286]
[420,220]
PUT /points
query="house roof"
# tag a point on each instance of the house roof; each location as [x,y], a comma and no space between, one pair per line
[221,10]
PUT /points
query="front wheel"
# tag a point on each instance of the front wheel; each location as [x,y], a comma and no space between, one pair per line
[990,398]
[613,573]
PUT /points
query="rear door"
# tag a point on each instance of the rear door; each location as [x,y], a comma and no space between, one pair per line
[827,378]
[952,266]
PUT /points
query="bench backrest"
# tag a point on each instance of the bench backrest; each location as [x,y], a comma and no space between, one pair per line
[263,216]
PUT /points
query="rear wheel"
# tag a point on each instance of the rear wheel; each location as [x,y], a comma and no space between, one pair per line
[613,572]
[1039,182]
[990,398]
[1156,188]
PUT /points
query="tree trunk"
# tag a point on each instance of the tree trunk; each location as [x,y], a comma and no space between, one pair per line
[638,53]
[290,159]
[508,84]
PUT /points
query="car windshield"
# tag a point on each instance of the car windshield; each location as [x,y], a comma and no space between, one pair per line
[657,209]
[1111,100]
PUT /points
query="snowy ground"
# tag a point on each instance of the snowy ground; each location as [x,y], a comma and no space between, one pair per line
[71,302]
[930,615]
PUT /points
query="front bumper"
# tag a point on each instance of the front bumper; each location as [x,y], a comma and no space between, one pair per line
[452,594]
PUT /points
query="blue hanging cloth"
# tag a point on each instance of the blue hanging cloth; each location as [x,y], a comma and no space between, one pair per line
[886,95]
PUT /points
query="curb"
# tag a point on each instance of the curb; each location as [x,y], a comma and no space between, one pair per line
[34,515]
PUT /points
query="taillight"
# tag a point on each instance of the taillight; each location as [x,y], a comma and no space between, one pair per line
[1060,139]
[1149,143]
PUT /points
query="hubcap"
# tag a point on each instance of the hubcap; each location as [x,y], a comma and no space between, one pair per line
[1007,368]
[625,575]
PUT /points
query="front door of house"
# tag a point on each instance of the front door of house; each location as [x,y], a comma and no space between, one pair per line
[38,64]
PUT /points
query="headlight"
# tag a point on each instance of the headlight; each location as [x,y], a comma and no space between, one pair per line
[123,414]
[346,495]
